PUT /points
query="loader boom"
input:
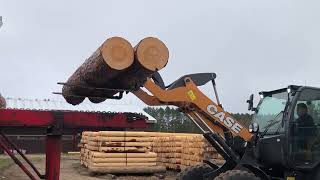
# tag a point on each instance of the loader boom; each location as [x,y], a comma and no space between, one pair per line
[208,115]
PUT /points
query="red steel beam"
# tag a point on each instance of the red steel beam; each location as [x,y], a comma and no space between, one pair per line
[72,120]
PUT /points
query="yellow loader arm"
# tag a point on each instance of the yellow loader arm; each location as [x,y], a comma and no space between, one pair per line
[208,115]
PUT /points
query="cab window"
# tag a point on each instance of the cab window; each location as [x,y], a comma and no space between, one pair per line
[305,129]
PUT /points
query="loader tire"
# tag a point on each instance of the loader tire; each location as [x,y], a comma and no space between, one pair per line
[237,175]
[194,172]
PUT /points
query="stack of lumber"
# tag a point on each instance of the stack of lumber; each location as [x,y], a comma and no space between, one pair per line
[118,152]
[115,65]
[169,150]
[2,102]
[177,150]
[111,151]
[195,149]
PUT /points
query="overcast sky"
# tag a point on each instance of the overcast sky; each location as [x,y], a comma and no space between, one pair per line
[251,45]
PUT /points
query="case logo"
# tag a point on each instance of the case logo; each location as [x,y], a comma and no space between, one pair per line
[226,120]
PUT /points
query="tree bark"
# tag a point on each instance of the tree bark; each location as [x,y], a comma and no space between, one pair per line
[108,61]
[3,103]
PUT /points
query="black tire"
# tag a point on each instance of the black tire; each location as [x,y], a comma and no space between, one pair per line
[194,172]
[237,175]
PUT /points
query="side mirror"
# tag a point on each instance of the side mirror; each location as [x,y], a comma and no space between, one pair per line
[250,103]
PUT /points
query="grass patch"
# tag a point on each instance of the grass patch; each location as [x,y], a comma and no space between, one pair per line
[5,163]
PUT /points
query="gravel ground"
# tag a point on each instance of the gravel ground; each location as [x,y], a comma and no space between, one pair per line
[71,170]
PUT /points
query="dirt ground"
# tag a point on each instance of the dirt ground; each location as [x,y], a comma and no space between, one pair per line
[70,170]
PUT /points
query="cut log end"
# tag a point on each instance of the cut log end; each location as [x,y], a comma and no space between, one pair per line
[152,53]
[68,96]
[117,53]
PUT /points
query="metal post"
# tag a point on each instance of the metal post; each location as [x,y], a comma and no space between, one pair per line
[53,156]
[216,92]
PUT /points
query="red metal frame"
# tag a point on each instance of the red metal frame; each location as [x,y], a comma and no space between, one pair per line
[5,140]
[71,120]
[56,122]
[53,152]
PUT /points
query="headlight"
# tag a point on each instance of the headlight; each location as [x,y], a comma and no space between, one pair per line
[253,128]
[250,128]
[289,90]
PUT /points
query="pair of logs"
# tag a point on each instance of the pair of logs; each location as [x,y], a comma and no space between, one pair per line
[115,65]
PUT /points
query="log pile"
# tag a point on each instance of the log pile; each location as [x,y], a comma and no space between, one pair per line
[177,150]
[109,150]
[3,103]
[169,150]
[115,65]
[118,152]
[195,149]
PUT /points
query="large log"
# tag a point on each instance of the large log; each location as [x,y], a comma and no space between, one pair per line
[108,61]
[3,103]
[151,55]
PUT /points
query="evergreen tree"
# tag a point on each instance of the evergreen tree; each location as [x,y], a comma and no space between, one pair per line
[171,120]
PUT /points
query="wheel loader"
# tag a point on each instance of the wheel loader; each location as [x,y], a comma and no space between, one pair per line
[283,141]
[277,145]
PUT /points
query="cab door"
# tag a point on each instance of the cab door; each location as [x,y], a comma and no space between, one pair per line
[304,130]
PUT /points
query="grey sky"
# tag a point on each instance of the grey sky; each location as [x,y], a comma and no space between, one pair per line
[251,45]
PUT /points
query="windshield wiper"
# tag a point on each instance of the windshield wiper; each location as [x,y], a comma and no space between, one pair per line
[272,122]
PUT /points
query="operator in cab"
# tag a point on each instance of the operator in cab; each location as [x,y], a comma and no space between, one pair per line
[304,119]
[305,125]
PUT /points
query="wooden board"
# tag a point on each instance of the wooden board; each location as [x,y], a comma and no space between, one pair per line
[126,170]
[122,160]
[124,149]
[125,144]
[121,139]
[125,134]
[122,155]
[121,164]
[89,133]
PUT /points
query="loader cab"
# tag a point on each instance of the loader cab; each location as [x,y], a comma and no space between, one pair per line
[289,128]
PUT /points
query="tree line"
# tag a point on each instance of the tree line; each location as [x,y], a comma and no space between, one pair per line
[171,120]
